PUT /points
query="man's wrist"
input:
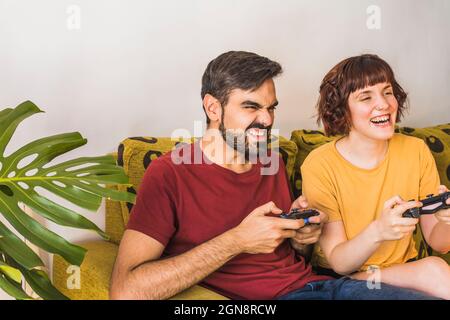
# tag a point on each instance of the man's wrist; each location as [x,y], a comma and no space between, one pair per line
[233,240]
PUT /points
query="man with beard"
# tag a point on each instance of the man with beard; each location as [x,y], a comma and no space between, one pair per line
[207,213]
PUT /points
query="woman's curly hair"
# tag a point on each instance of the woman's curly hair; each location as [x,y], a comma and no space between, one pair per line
[346,77]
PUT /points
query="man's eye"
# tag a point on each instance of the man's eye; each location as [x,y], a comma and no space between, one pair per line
[272,108]
[250,107]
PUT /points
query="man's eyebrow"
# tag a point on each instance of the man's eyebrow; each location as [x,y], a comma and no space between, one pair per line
[274,104]
[256,104]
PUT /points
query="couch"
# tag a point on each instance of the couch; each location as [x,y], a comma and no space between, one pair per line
[136,154]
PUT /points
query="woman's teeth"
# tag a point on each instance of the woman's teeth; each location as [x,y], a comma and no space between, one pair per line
[380,120]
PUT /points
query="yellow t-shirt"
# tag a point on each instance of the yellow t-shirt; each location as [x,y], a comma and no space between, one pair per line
[356,196]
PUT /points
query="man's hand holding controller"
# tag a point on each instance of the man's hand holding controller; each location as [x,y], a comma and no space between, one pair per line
[310,233]
[262,231]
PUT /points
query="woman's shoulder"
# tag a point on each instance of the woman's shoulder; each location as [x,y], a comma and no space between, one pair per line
[321,154]
[402,140]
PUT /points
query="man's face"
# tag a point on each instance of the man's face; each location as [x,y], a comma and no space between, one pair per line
[248,117]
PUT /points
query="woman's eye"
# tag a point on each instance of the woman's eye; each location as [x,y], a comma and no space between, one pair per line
[365,98]
[388,93]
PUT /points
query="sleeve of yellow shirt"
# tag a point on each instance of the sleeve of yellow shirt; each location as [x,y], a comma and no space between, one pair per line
[318,189]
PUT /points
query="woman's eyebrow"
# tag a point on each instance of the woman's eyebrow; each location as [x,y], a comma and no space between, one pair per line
[364,92]
[370,91]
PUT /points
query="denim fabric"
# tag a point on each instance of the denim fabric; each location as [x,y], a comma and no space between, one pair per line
[346,288]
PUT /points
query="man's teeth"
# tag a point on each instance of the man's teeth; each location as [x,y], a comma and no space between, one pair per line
[381,119]
[257,133]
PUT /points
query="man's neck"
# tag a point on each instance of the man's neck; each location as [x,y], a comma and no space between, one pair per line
[219,152]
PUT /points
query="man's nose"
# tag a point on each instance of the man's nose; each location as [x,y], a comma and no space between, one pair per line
[265,117]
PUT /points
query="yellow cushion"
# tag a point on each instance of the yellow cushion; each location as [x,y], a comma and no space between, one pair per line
[95,274]
[438,140]
[114,224]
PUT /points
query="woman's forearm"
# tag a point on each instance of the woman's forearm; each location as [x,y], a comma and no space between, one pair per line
[348,257]
[440,237]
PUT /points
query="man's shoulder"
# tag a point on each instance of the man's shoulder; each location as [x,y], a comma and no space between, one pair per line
[182,154]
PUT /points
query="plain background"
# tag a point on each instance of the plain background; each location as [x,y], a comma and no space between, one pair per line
[132,68]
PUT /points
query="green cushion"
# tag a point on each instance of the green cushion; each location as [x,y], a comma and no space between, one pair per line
[438,140]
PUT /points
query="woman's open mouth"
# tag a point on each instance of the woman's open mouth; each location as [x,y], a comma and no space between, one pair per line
[381,121]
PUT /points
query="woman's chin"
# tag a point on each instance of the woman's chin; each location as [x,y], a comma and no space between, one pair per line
[382,134]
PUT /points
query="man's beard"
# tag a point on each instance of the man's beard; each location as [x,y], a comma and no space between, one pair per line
[238,140]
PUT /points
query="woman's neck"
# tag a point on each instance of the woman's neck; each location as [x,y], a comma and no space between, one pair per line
[362,151]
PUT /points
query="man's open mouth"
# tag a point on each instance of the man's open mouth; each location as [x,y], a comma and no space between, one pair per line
[257,133]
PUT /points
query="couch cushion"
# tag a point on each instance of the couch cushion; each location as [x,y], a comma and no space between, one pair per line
[95,275]
[438,140]
[94,272]
[136,154]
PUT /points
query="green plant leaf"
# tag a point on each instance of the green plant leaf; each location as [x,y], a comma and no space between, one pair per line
[12,273]
[39,235]
[17,249]
[27,176]
[41,284]
[12,289]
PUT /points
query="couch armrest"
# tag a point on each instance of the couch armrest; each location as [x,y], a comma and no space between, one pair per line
[95,274]
[95,271]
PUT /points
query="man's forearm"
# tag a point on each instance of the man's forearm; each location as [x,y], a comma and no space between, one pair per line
[161,279]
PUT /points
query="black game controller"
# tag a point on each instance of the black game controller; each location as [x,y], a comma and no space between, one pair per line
[301,214]
[430,205]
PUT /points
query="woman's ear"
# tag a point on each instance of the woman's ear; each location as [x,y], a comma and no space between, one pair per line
[212,108]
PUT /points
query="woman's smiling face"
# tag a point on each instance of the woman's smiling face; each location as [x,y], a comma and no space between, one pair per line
[373,111]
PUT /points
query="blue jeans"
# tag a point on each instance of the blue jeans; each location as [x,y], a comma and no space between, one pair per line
[346,288]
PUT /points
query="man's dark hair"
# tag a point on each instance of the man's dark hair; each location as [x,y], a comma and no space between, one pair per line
[236,70]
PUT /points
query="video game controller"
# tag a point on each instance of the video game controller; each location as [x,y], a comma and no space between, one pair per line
[301,214]
[430,205]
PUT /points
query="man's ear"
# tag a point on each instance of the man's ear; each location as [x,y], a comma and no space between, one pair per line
[212,108]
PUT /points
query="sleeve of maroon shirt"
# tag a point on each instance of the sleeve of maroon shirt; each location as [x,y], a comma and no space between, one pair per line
[154,212]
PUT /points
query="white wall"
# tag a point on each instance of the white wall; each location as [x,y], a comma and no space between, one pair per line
[134,67]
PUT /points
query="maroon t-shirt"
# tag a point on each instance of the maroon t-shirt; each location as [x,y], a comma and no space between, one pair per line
[184,205]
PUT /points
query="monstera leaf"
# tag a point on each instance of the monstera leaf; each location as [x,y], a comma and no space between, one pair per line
[24,174]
